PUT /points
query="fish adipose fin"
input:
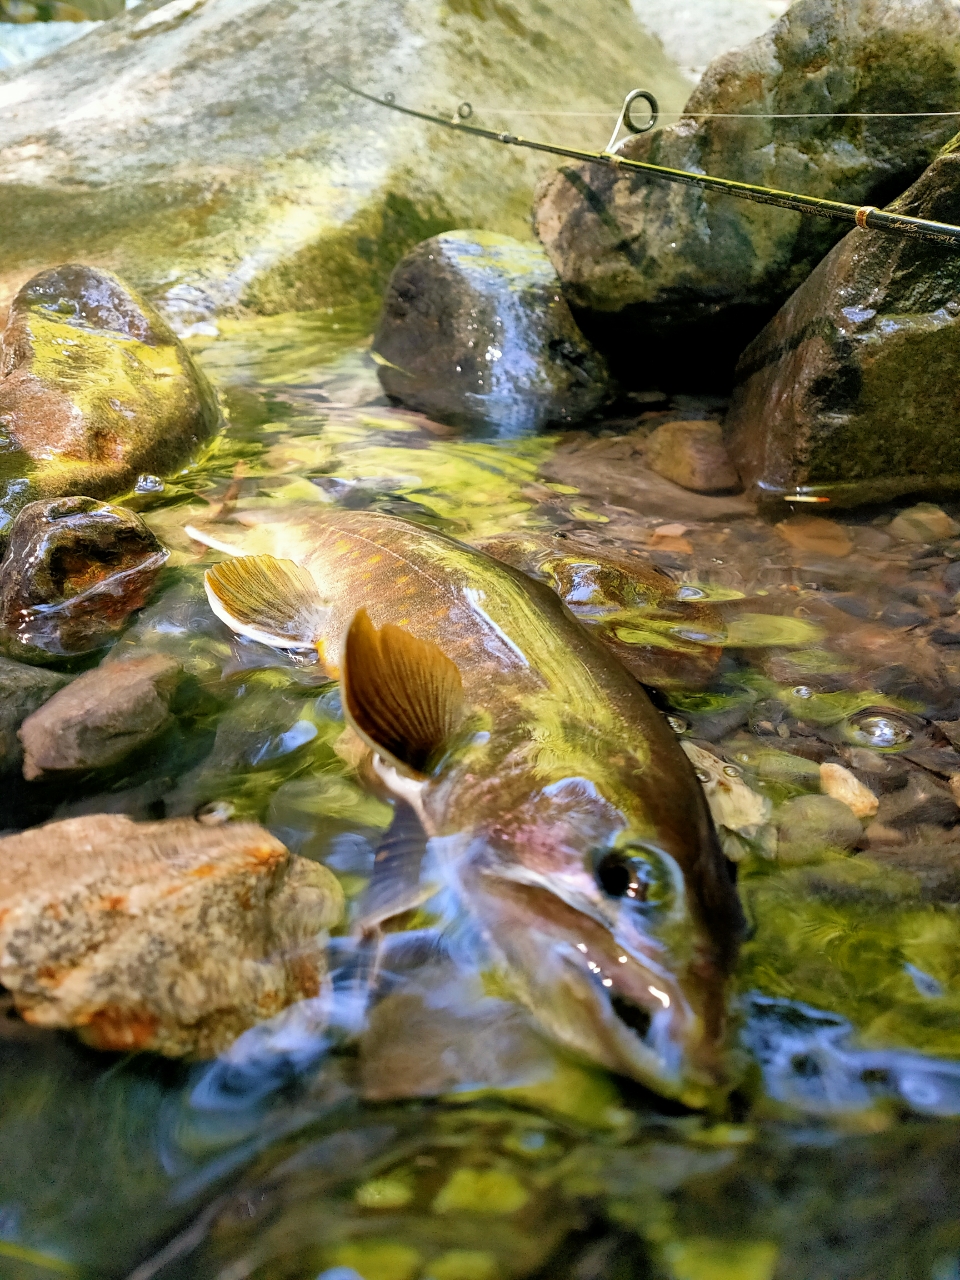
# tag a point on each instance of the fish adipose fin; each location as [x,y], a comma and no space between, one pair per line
[403,695]
[273,601]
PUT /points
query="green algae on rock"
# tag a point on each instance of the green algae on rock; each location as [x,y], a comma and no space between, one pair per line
[851,392]
[94,390]
[475,332]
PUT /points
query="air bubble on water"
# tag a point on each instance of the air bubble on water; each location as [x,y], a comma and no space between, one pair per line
[677,725]
[802,691]
[148,484]
[690,593]
[881,731]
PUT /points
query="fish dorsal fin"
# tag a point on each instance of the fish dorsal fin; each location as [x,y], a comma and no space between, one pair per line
[403,695]
[273,601]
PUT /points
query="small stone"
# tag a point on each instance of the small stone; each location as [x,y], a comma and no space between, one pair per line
[692,455]
[878,834]
[925,799]
[838,782]
[101,717]
[925,522]
[898,614]
[813,533]
[74,571]
[948,634]
[808,826]
[170,937]
[23,690]
[669,537]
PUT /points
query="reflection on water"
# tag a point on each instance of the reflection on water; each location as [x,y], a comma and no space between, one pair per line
[418,1127]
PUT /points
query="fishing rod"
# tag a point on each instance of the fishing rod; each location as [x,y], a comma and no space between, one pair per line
[867,216]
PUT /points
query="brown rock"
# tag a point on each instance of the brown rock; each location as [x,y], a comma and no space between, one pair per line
[166,936]
[693,455]
[101,717]
[23,690]
[74,571]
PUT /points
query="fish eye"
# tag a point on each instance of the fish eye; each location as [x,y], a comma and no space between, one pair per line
[633,873]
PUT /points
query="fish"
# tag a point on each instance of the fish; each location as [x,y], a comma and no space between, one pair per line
[555,799]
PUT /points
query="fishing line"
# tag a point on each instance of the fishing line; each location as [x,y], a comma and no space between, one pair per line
[734,115]
[867,217]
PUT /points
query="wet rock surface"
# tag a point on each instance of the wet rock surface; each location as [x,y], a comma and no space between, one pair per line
[475,332]
[95,389]
[850,391]
[170,936]
[654,269]
[75,569]
[101,718]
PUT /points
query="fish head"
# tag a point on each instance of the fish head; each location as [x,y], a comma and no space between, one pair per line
[620,944]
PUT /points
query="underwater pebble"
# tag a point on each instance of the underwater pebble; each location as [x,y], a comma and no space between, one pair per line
[809,825]
[841,784]
[923,523]
[170,937]
[924,799]
[101,717]
[813,533]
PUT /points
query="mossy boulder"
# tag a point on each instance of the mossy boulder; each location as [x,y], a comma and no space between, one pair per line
[475,332]
[673,281]
[94,390]
[206,153]
[852,392]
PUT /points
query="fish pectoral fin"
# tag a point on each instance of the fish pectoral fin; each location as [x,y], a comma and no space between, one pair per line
[395,886]
[403,695]
[273,601]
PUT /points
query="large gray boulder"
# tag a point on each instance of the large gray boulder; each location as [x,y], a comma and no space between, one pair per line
[203,151]
[676,281]
[852,392]
[475,332]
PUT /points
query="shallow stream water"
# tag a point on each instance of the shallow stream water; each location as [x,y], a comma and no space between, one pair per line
[829,643]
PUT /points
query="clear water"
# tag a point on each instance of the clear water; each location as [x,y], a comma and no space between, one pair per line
[840,1153]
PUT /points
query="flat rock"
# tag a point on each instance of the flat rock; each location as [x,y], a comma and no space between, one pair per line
[95,389]
[74,571]
[475,332]
[205,152]
[23,690]
[101,718]
[673,282]
[692,455]
[169,936]
[852,392]
[599,469]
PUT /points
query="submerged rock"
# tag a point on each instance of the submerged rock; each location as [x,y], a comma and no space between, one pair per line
[475,332]
[74,571]
[94,390]
[852,392]
[692,455]
[656,271]
[101,718]
[23,690]
[245,173]
[170,936]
